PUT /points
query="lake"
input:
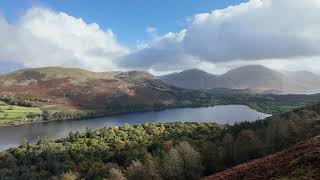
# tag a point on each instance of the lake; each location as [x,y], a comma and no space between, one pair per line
[226,114]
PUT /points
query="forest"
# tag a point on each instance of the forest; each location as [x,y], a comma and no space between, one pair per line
[158,151]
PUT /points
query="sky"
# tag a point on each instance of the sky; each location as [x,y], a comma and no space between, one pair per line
[160,36]
[128,19]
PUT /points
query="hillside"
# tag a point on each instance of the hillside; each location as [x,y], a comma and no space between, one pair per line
[253,78]
[68,93]
[175,151]
[79,88]
[300,161]
[55,93]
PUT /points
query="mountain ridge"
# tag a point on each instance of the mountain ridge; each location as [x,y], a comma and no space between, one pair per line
[254,77]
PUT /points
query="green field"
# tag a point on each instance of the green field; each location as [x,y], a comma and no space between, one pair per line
[14,115]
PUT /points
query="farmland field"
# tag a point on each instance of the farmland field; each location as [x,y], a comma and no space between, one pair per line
[14,115]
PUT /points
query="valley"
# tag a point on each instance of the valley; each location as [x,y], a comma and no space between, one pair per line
[54,93]
[130,145]
[160,90]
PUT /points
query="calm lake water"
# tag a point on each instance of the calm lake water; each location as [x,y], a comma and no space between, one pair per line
[228,114]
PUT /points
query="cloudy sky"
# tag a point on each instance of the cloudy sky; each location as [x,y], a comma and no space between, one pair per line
[160,36]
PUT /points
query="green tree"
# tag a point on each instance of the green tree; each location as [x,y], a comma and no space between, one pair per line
[214,157]
[247,146]
[45,115]
[228,142]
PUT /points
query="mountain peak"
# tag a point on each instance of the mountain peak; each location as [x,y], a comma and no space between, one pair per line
[252,68]
[190,79]
[193,70]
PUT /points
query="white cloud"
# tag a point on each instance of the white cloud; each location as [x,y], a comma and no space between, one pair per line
[46,38]
[163,53]
[282,34]
[259,29]
[152,31]
[252,32]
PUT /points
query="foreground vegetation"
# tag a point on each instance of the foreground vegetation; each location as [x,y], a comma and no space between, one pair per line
[300,161]
[158,151]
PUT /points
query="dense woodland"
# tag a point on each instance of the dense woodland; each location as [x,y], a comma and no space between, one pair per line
[158,151]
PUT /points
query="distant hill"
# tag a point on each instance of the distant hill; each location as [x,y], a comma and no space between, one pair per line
[255,77]
[303,81]
[297,162]
[191,79]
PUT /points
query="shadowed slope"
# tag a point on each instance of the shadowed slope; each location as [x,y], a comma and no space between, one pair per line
[297,162]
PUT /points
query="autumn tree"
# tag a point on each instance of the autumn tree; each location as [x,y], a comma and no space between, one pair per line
[150,168]
[172,167]
[135,170]
[69,176]
[191,160]
[115,174]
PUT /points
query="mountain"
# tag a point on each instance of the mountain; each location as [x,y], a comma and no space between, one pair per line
[303,76]
[191,79]
[304,81]
[300,161]
[252,77]
[255,77]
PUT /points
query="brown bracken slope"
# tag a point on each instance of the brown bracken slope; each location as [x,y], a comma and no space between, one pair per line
[301,161]
[81,89]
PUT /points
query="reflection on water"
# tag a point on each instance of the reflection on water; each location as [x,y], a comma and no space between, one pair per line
[228,114]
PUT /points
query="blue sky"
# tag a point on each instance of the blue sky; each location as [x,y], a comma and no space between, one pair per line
[128,19]
[212,35]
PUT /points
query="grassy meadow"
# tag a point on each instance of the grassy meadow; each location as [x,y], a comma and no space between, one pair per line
[14,115]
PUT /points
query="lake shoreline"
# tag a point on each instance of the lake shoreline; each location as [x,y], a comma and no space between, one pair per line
[129,113]
[221,114]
